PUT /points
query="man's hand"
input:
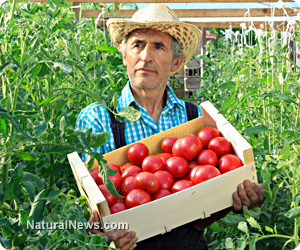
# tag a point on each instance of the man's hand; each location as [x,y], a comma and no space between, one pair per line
[122,238]
[248,194]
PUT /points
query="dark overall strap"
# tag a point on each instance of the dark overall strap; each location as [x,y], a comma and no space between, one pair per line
[118,130]
[191,110]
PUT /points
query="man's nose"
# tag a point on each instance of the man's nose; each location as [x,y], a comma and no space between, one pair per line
[146,54]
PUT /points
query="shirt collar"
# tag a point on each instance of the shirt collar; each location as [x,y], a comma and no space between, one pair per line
[127,98]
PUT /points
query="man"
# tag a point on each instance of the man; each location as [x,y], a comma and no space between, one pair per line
[154,44]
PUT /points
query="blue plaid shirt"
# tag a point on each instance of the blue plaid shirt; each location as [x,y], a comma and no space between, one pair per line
[97,117]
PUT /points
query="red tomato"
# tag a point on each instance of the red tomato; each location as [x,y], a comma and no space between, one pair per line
[146,181]
[125,165]
[116,178]
[137,197]
[181,185]
[111,199]
[207,157]
[220,145]
[115,167]
[203,173]
[137,153]
[167,144]
[160,193]
[117,207]
[94,175]
[177,166]
[187,147]
[131,171]
[207,134]
[165,179]
[120,200]
[127,185]
[192,164]
[152,164]
[164,157]
[229,162]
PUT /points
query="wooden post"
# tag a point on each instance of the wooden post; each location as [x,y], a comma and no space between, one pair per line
[202,50]
[76,10]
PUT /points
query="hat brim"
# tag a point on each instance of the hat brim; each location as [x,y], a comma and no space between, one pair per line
[187,35]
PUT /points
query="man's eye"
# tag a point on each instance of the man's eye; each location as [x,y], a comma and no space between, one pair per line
[158,47]
[138,45]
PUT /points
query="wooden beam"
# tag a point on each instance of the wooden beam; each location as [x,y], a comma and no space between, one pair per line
[278,25]
[199,13]
[175,1]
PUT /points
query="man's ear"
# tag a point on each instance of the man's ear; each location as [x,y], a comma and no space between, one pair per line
[177,62]
[124,60]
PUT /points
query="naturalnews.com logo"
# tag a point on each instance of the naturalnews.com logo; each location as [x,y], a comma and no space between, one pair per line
[68,224]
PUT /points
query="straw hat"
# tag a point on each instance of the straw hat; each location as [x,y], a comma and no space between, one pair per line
[162,18]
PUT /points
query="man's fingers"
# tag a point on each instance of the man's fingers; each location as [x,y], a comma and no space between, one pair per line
[116,235]
[259,190]
[94,219]
[237,203]
[131,244]
[252,196]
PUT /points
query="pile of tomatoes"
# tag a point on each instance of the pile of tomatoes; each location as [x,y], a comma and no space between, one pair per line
[184,162]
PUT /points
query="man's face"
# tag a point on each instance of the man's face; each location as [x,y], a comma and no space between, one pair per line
[149,58]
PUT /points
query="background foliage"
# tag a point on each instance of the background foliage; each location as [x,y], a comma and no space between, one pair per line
[52,66]
[256,87]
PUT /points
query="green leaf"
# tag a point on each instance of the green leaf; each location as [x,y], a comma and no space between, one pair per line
[38,206]
[82,137]
[108,49]
[105,171]
[3,127]
[253,223]
[253,240]
[243,227]
[266,143]
[285,153]
[267,191]
[269,229]
[255,130]
[229,244]
[30,189]
[1,193]
[39,128]
[2,67]
[293,213]
[255,212]
[35,9]
[234,219]
[216,227]
[57,66]
[14,185]
[97,140]
[4,114]
[130,114]
[63,125]
[90,164]
[19,238]
[43,70]
[228,85]
[35,179]
[227,104]
[25,156]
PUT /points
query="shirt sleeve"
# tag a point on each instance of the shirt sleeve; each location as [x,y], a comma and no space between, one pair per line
[90,118]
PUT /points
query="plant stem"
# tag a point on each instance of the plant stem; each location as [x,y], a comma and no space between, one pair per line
[275,236]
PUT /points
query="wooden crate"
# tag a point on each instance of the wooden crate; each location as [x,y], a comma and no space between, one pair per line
[200,201]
